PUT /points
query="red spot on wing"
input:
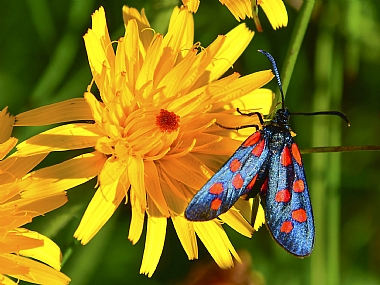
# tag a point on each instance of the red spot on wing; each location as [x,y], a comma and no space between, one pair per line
[217,188]
[237,181]
[286,158]
[283,196]
[299,215]
[264,187]
[258,149]
[298,186]
[286,227]
[296,154]
[253,139]
[215,204]
[253,181]
[235,165]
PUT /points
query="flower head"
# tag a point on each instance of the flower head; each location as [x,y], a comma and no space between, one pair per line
[274,9]
[18,244]
[154,135]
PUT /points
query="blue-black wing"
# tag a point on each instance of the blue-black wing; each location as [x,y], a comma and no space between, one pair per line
[235,178]
[288,211]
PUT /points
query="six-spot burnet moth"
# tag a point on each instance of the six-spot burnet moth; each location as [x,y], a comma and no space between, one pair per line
[267,165]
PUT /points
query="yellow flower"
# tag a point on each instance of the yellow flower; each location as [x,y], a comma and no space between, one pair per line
[274,9]
[154,135]
[18,244]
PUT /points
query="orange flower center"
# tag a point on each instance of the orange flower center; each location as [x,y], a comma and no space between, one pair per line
[167,121]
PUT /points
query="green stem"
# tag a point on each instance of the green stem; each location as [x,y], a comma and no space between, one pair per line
[341,149]
[298,35]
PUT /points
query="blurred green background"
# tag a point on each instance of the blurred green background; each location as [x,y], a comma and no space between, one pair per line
[43,60]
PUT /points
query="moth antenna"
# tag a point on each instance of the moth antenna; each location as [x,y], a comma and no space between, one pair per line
[335,113]
[276,73]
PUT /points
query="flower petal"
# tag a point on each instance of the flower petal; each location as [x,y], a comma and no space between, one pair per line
[48,253]
[239,8]
[153,188]
[226,56]
[37,272]
[154,244]
[137,221]
[6,125]
[276,13]
[235,220]
[217,243]
[192,5]
[186,235]
[188,177]
[7,146]
[69,110]
[65,175]
[136,177]
[104,203]
[66,137]
[180,35]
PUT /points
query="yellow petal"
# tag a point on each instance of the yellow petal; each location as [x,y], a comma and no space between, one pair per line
[186,235]
[154,243]
[237,222]
[276,12]
[238,38]
[99,26]
[239,8]
[48,253]
[217,243]
[132,60]
[104,203]
[192,5]
[186,176]
[65,175]
[38,272]
[153,188]
[15,241]
[4,280]
[6,125]
[97,57]
[146,35]
[136,177]
[137,221]
[260,218]
[7,146]
[180,35]
[66,137]
[261,98]
[14,168]
[65,111]
[243,85]
[40,206]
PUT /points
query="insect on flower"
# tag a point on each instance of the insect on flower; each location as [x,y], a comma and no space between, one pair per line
[268,165]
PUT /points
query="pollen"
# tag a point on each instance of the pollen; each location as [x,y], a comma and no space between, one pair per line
[167,121]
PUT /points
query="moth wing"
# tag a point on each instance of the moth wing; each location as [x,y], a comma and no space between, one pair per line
[288,212]
[235,178]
